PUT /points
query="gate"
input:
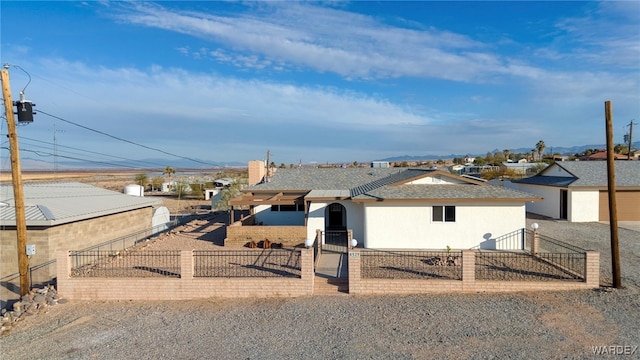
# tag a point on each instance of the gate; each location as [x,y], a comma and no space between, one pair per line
[335,241]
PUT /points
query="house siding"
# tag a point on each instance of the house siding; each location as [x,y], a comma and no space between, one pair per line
[263,214]
[355,218]
[410,227]
[550,206]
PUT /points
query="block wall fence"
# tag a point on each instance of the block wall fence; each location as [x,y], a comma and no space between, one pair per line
[184,288]
[360,286]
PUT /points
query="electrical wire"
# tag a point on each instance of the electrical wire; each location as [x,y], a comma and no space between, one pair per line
[45,154]
[125,140]
[89,151]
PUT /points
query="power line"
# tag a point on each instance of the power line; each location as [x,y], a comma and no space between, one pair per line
[125,140]
[92,152]
[44,154]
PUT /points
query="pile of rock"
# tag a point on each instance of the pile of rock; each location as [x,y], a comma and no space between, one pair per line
[37,300]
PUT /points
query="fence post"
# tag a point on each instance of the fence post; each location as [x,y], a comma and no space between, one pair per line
[535,243]
[319,241]
[468,269]
[63,271]
[354,267]
[592,268]
[186,265]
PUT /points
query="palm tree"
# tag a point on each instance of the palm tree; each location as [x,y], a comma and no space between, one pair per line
[540,149]
[506,153]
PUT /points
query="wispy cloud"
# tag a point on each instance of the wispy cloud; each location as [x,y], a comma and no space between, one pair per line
[330,40]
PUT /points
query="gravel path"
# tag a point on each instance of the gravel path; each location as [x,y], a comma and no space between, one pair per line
[515,326]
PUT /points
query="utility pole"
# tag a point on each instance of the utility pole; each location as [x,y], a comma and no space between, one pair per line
[630,139]
[18,193]
[613,212]
[268,166]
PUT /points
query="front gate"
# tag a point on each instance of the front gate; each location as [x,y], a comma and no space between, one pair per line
[335,241]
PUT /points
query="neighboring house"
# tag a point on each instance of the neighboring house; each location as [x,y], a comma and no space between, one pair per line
[398,208]
[601,154]
[69,215]
[577,191]
[524,168]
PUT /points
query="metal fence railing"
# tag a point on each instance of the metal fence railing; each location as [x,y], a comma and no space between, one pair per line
[129,240]
[377,264]
[104,263]
[522,266]
[283,262]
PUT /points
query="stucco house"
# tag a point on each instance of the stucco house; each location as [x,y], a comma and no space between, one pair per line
[577,191]
[398,208]
[68,215]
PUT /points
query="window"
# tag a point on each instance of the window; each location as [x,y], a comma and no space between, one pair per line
[444,214]
[295,207]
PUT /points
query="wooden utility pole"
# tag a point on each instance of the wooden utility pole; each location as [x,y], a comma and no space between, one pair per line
[613,212]
[18,193]
[630,140]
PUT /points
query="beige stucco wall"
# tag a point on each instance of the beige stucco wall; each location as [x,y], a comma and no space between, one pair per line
[403,226]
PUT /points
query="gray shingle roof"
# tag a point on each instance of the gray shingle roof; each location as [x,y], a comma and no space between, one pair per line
[324,179]
[589,174]
[48,204]
[445,192]
[378,184]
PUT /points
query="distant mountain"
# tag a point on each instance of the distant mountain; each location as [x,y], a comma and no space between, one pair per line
[550,149]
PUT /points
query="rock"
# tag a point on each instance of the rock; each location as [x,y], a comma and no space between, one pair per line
[18,306]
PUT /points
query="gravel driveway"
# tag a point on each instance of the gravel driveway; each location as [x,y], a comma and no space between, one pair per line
[563,325]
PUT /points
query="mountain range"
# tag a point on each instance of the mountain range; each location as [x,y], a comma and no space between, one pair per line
[31,164]
[549,150]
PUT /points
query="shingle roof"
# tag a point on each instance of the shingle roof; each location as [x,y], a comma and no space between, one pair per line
[379,184]
[445,192]
[48,204]
[589,174]
[323,179]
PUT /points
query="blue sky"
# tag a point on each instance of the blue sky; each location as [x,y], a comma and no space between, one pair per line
[319,82]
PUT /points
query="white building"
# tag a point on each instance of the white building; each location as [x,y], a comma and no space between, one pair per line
[394,208]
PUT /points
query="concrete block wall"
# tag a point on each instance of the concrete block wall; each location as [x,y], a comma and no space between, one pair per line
[287,235]
[358,285]
[183,288]
[74,235]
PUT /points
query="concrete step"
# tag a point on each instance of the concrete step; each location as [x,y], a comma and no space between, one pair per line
[330,286]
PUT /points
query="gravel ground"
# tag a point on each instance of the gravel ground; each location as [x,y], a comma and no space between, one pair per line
[500,326]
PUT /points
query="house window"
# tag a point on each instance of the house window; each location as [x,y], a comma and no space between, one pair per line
[296,207]
[444,214]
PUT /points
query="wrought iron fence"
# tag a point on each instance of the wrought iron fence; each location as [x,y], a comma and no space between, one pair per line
[522,266]
[104,263]
[135,238]
[376,264]
[514,240]
[335,241]
[248,263]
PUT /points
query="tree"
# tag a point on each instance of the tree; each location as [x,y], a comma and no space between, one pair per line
[181,189]
[283,166]
[156,183]
[480,161]
[169,171]
[142,180]
[540,148]
[506,153]
[227,194]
